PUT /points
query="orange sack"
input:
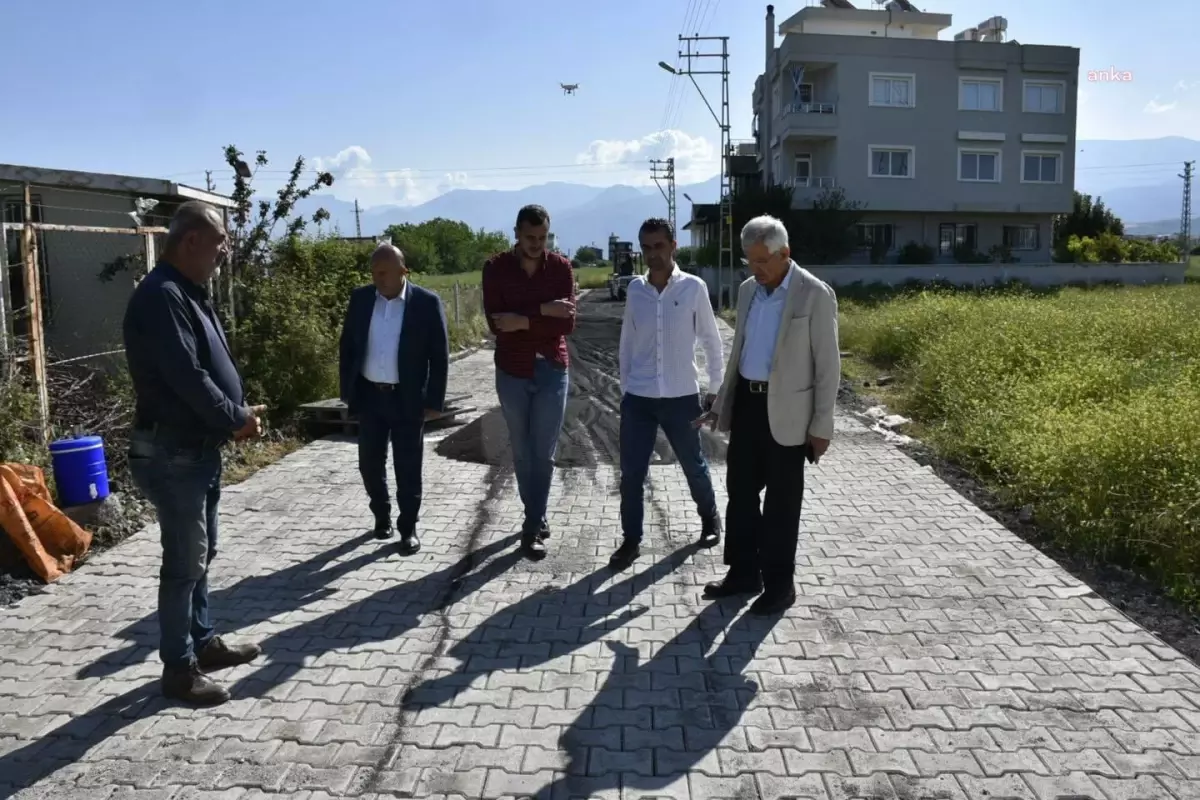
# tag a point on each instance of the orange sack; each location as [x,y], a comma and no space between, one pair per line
[50,540]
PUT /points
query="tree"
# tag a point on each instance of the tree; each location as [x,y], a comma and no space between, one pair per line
[1088,220]
[588,255]
[821,234]
[442,246]
[825,233]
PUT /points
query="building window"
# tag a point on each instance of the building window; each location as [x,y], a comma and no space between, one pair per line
[982,166]
[1044,97]
[952,236]
[1021,237]
[893,91]
[868,236]
[890,162]
[1041,167]
[980,94]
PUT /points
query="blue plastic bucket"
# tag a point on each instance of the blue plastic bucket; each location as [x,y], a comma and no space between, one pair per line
[80,471]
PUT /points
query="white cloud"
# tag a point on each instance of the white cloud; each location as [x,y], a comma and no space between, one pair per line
[355,178]
[1186,86]
[695,157]
[1155,107]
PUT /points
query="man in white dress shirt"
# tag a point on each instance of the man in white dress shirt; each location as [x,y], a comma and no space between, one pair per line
[395,356]
[666,312]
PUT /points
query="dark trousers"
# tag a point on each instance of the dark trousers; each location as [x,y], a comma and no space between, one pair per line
[183,483]
[641,417]
[381,421]
[761,540]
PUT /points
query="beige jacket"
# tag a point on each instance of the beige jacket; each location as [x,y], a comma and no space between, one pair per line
[806,370]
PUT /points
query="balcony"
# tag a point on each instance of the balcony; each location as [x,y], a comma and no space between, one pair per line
[806,190]
[807,119]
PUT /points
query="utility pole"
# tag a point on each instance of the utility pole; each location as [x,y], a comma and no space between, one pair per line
[208,181]
[714,47]
[1185,222]
[665,169]
[357,221]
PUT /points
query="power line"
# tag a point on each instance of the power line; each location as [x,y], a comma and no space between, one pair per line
[665,169]
[1185,220]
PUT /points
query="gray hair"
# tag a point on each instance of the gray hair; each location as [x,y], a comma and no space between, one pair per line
[387,250]
[765,230]
[194,215]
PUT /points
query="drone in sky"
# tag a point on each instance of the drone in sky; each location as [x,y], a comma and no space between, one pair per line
[569,88]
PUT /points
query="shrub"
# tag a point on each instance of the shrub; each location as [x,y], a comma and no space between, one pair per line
[915,253]
[1085,404]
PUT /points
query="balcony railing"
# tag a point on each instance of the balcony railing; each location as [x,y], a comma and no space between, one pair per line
[810,108]
[810,183]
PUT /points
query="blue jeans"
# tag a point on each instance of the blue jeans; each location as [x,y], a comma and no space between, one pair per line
[533,409]
[184,486]
[641,417]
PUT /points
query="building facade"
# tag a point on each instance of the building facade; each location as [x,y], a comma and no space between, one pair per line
[964,146]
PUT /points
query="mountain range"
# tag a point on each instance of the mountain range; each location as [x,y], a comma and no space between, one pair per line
[1134,177]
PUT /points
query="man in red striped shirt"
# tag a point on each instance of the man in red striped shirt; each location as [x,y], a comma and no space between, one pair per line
[529,300]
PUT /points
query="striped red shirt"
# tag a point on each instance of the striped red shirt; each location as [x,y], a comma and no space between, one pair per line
[508,289]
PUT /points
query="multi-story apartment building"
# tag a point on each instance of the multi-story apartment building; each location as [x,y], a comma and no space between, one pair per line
[956,144]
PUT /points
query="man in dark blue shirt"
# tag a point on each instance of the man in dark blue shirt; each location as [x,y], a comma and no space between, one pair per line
[189,402]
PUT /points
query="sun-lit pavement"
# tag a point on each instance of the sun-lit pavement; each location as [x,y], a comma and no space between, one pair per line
[931,655]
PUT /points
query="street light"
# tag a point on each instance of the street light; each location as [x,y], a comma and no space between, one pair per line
[668,68]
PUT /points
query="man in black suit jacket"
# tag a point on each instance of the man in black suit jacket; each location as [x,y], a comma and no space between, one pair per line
[395,355]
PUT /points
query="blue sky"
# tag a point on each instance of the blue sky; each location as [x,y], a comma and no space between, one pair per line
[404,99]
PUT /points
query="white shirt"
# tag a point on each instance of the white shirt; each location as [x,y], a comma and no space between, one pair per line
[762,329]
[659,335]
[382,362]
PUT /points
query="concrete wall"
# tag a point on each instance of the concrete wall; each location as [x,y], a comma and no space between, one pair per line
[933,126]
[978,274]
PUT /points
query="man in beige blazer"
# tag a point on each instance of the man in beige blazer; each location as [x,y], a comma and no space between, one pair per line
[777,404]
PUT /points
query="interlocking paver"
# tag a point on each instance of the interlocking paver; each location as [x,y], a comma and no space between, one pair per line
[931,654]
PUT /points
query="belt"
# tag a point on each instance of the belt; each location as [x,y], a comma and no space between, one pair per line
[180,437]
[754,387]
[382,387]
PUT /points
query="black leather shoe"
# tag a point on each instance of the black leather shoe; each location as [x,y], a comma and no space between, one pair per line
[769,604]
[710,531]
[532,546]
[409,543]
[626,554]
[544,531]
[193,687]
[216,654]
[732,586]
[383,530]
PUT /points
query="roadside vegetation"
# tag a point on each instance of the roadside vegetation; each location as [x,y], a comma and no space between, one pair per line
[1082,405]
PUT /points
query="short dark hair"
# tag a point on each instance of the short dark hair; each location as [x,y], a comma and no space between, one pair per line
[533,215]
[656,224]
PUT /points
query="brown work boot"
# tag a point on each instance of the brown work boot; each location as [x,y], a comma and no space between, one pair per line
[192,686]
[217,654]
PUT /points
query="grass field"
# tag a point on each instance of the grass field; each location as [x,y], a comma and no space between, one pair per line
[1083,404]
[1194,267]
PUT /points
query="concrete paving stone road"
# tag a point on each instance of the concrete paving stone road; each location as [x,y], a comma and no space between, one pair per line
[932,654]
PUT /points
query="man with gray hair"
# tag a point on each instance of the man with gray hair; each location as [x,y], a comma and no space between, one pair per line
[394,358]
[777,404]
[189,402]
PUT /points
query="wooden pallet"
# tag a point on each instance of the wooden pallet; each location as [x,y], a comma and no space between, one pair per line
[332,415]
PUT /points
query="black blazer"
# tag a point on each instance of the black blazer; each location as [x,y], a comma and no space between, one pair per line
[424,353]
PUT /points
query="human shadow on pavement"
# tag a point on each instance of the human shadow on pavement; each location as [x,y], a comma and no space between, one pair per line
[680,705]
[386,615]
[250,601]
[392,613]
[547,624]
